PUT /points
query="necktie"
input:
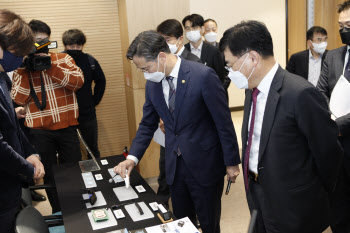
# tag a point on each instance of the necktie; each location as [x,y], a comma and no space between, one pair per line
[347,69]
[251,129]
[172,94]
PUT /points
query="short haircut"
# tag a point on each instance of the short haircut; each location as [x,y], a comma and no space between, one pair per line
[195,19]
[344,6]
[171,27]
[247,36]
[208,20]
[147,44]
[73,36]
[39,26]
[312,30]
[15,34]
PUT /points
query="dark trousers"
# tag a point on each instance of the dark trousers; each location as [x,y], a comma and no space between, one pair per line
[189,199]
[341,204]
[49,143]
[163,189]
[8,219]
[88,129]
[256,200]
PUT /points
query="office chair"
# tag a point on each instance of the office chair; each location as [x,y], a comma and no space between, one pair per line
[53,223]
[30,220]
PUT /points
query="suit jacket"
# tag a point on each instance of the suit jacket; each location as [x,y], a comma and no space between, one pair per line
[190,56]
[212,57]
[14,149]
[201,128]
[299,155]
[332,69]
[299,63]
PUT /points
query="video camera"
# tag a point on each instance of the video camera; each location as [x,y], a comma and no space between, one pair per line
[38,63]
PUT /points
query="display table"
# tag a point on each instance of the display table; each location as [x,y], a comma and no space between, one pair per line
[69,184]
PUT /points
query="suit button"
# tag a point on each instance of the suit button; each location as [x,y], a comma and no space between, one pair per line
[177,135]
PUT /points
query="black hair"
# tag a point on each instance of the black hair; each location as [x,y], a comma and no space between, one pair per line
[39,26]
[312,30]
[195,19]
[247,36]
[207,20]
[343,6]
[73,36]
[171,27]
[147,44]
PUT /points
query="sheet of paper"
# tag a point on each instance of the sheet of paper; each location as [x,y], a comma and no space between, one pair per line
[339,103]
[104,224]
[173,227]
[100,200]
[159,137]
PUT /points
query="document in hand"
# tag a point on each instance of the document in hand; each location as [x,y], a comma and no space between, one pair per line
[339,103]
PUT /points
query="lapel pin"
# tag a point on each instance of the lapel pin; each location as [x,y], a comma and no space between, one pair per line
[183,81]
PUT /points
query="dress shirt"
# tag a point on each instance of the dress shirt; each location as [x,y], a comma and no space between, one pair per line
[198,51]
[264,88]
[174,73]
[346,58]
[314,68]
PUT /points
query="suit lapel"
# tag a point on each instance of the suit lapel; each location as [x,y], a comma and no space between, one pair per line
[7,108]
[182,83]
[306,62]
[270,110]
[340,63]
[204,52]
[247,107]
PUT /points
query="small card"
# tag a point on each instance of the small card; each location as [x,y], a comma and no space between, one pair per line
[104,162]
[154,206]
[119,214]
[98,177]
[140,189]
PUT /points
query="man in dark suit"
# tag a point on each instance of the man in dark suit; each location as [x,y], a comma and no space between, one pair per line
[335,65]
[200,140]
[209,54]
[290,151]
[19,160]
[308,63]
[172,31]
[211,32]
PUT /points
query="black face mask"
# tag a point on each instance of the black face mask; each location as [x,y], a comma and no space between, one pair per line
[345,35]
[75,54]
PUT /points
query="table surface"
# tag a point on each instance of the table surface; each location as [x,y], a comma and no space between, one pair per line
[69,185]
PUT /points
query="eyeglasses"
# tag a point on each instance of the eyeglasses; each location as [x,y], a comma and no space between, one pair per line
[145,69]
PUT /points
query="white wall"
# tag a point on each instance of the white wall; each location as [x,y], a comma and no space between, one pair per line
[227,13]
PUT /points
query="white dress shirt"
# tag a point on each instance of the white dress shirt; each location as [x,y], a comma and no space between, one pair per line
[174,73]
[198,51]
[264,88]
[346,58]
[314,68]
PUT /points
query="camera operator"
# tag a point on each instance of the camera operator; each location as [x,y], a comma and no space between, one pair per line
[19,160]
[46,88]
[73,41]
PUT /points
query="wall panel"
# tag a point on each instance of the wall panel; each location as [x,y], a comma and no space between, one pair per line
[99,20]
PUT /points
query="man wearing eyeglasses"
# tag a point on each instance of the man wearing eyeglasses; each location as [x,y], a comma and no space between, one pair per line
[290,155]
[200,140]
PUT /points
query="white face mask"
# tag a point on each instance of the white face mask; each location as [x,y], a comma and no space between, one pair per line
[193,36]
[155,76]
[238,78]
[211,37]
[173,48]
[319,48]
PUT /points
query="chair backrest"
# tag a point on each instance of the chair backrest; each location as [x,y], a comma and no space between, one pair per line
[26,198]
[30,220]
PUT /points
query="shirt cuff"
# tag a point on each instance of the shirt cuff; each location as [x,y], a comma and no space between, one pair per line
[133,158]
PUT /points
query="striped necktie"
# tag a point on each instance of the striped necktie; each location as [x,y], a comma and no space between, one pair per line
[172,94]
